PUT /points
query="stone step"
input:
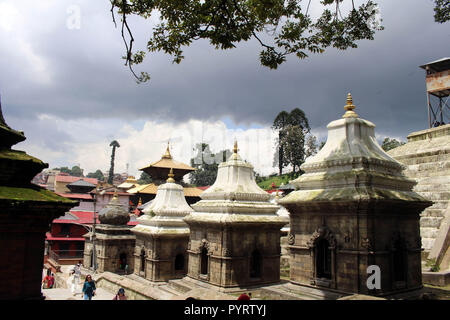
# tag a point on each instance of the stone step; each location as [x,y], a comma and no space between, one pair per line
[428,232]
[180,286]
[432,212]
[442,179]
[427,243]
[436,187]
[433,196]
[439,205]
[167,288]
[424,159]
[432,222]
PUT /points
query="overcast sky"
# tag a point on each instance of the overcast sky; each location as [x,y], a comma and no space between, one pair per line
[69,91]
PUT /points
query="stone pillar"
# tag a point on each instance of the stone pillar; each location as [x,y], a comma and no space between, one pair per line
[26,214]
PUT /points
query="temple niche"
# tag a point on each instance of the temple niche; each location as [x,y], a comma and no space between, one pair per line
[114,243]
[162,236]
[235,230]
[354,208]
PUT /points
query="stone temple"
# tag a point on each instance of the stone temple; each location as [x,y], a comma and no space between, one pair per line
[235,230]
[114,242]
[162,236]
[354,208]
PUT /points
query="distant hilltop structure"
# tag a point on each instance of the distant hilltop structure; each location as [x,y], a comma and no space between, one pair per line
[438,91]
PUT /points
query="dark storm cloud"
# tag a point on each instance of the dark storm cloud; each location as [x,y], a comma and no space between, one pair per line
[88,79]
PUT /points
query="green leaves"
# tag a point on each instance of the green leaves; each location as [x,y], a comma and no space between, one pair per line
[442,11]
[225,23]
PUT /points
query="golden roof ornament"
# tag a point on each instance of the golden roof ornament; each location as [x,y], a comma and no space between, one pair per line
[235,146]
[171,175]
[349,108]
[167,155]
[115,196]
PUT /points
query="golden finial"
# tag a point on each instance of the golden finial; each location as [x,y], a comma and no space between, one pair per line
[140,202]
[349,108]
[235,146]
[115,195]
[167,155]
[171,175]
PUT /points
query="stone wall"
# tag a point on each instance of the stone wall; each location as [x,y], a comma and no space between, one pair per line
[229,255]
[160,254]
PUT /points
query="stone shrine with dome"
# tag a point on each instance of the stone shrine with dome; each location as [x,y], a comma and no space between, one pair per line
[162,236]
[354,208]
[114,243]
[235,230]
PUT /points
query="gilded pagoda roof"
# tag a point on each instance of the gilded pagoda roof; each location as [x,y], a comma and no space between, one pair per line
[160,169]
[153,189]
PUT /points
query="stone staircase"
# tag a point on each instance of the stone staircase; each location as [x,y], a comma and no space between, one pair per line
[433,183]
[427,158]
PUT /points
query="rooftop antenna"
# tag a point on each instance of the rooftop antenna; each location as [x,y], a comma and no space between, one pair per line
[438,91]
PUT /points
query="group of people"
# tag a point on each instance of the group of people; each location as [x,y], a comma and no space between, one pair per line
[89,288]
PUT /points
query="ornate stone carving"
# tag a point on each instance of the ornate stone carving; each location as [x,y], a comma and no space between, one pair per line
[291,239]
[322,232]
[226,252]
[204,244]
[366,243]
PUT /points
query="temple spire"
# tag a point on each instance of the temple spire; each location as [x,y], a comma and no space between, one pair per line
[171,175]
[167,155]
[349,108]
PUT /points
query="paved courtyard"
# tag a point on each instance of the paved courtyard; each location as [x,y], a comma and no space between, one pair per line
[65,294]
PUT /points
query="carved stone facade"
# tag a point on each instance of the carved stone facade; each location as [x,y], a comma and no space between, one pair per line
[162,237]
[235,231]
[354,208]
[114,249]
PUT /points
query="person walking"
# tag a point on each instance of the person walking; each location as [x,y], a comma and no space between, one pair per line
[120,295]
[71,282]
[77,277]
[47,282]
[89,288]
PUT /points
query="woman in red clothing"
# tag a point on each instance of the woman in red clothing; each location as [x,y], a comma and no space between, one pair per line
[49,280]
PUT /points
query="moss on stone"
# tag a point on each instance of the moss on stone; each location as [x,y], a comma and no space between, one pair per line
[31,194]
[19,155]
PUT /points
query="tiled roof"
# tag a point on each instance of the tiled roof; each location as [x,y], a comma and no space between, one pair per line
[85,196]
[83,217]
[170,164]
[70,179]
[153,189]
